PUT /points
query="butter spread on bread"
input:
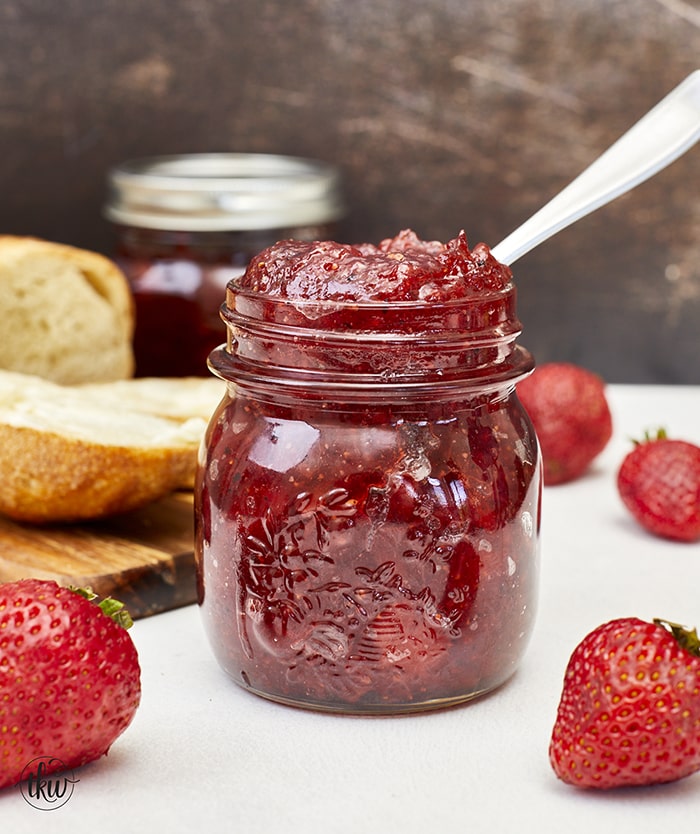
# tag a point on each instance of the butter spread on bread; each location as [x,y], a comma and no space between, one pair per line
[68,454]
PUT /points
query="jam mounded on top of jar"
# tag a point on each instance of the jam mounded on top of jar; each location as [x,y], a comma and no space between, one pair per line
[368,500]
[403,268]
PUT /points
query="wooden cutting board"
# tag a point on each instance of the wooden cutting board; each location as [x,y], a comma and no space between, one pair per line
[144,558]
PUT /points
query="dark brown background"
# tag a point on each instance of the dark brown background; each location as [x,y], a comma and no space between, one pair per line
[441,114]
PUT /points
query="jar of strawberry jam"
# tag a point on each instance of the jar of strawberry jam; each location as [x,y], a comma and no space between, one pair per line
[368,493]
[185,225]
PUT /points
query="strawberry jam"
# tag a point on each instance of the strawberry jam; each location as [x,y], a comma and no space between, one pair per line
[369,489]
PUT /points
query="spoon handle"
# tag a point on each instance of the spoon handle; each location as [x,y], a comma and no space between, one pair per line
[666,132]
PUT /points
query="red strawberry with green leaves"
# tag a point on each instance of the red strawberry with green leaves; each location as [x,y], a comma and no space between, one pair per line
[571,415]
[630,708]
[659,483]
[69,676]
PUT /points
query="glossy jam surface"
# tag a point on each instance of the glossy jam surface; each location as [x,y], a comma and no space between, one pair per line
[367,525]
[403,268]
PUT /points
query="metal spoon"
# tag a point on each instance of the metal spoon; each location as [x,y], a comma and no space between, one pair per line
[666,132]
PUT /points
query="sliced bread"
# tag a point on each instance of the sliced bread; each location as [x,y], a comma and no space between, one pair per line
[67,314]
[69,454]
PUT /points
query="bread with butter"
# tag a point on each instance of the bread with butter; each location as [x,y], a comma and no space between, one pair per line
[168,397]
[68,454]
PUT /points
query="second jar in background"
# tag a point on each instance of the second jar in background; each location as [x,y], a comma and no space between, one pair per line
[186,225]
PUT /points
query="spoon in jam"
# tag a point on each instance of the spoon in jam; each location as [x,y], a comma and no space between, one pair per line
[666,132]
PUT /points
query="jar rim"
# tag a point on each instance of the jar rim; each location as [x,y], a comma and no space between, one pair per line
[332,305]
[450,345]
[223,192]
[495,334]
[490,318]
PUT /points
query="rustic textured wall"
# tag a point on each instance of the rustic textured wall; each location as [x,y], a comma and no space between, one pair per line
[442,114]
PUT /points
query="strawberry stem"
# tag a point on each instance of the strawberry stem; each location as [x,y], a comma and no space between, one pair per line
[114,609]
[649,437]
[686,638]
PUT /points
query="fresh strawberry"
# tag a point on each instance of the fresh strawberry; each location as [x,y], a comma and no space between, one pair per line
[659,483]
[630,709]
[570,412]
[69,676]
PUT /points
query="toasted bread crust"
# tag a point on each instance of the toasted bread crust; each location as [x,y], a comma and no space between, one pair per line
[49,477]
[71,453]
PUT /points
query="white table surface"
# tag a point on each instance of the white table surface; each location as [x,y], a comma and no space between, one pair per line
[203,755]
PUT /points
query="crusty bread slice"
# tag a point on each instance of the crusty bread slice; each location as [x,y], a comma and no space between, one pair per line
[66,314]
[68,454]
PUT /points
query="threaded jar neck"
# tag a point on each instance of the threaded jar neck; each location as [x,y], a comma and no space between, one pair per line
[372,349]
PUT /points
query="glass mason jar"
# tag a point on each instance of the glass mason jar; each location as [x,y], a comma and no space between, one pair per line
[368,501]
[185,225]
